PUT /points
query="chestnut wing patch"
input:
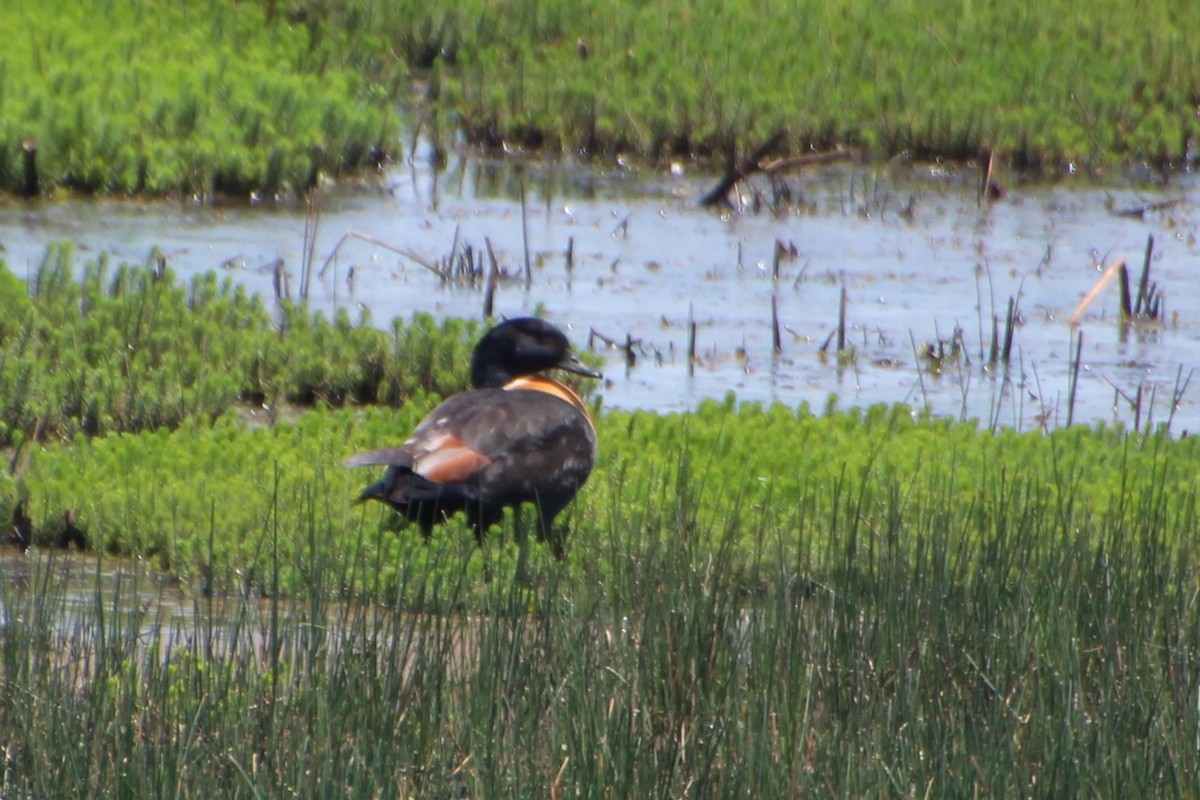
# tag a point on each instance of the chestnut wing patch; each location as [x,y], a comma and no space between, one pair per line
[450,461]
[437,456]
[470,431]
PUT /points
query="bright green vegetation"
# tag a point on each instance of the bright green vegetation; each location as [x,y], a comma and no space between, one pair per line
[232,97]
[121,96]
[864,606]
[124,349]
[227,503]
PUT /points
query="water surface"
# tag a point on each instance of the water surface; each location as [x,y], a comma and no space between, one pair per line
[917,257]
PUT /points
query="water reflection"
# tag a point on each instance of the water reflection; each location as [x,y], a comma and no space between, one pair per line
[91,606]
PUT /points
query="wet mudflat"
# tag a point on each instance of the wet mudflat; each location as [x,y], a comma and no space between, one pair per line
[925,271]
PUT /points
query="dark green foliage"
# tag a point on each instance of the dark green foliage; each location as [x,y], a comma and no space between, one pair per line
[205,97]
[126,349]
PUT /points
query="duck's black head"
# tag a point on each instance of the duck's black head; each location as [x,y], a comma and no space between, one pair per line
[522,346]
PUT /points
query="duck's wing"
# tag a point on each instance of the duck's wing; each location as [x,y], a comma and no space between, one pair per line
[471,430]
[499,423]
[454,442]
[444,459]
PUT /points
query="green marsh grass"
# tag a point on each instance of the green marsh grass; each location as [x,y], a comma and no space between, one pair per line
[229,97]
[164,491]
[108,348]
[879,626]
[186,97]
[1042,86]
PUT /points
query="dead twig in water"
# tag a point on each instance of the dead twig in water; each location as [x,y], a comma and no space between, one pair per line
[1148,296]
[994,351]
[489,292]
[754,163]
[1148,303]
[691,346]
[1126,304]
[378,243]
[1138,212]
[800,274]
[808,159]
[776,342]
[735,172]
[828,340]
[989,187]
[1134,403]
[626,347]
[525,237]
[1009,323]
[622,227]
[453,250]
[842,321]
[840,331]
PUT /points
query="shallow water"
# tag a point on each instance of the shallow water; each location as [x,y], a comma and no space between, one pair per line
[77,602]
[74,592]
[646,259]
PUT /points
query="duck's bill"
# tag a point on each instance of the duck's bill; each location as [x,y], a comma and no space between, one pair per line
[573,364]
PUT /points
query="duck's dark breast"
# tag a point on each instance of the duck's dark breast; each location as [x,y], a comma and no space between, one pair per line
[538,445]
[540,383]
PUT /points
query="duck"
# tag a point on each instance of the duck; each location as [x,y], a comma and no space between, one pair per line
[518,436]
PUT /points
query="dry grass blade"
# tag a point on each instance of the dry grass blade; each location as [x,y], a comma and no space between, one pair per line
[1091,296]
[989,189]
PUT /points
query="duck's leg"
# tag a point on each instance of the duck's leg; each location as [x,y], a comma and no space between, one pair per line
[554,537]
[556,540]
[520,531]
[481,518]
